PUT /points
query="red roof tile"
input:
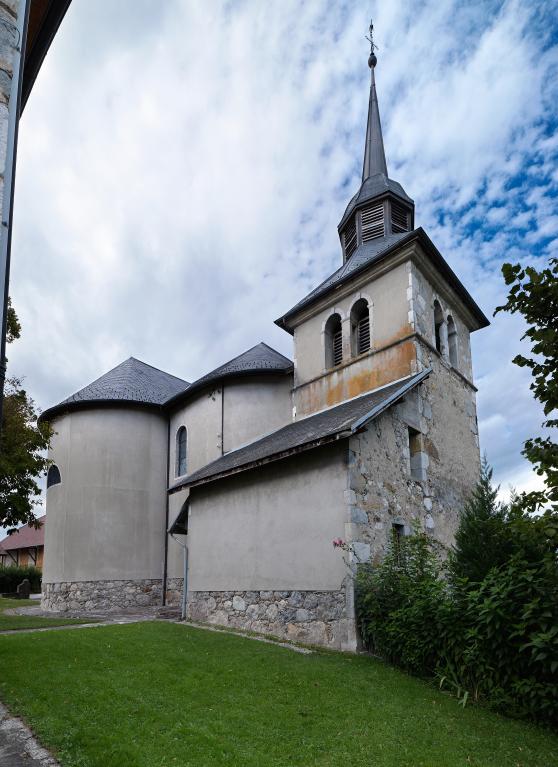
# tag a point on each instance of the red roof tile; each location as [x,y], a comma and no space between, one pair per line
[25,537]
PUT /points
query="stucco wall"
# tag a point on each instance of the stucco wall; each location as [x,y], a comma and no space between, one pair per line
[202,417]
[254,407]
[217,422]
[271,528]
[106,518]
[316,387]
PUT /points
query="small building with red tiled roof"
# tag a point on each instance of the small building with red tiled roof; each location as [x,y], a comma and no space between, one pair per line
[24,547]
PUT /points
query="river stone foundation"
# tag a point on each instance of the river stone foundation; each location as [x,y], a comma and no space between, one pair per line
[101,595]
[313,617]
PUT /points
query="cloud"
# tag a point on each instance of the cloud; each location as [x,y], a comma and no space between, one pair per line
[183,166]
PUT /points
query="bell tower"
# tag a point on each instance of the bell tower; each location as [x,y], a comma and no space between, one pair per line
[393,308]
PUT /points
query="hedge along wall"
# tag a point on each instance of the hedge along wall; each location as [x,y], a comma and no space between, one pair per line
[12,576]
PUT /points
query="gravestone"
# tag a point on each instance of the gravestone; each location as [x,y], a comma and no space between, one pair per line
[24,589]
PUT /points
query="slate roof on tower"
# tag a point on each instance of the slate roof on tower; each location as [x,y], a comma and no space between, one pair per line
[373,252]
[132,381]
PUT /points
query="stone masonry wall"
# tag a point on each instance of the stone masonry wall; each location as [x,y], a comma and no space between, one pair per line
[313,617]
[9,38]
[101,595]
[382,489]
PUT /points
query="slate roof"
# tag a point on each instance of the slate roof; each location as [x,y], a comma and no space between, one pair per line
[307,433]
[364,255]
[375,251]
[132,381]
[25,537]
[259,360]
[374,186]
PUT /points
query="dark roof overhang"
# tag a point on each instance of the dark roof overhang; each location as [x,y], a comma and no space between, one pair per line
[324,428]
[430,250]
[45,16]
[70,407]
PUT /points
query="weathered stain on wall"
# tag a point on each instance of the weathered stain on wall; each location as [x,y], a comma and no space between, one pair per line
[361,375]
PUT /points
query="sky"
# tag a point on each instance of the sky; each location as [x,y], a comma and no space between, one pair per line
[183,166]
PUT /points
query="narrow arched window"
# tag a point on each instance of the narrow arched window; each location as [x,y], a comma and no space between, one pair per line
[333,341]
[181,444]
[452,341]
[53,476]
[438,322]
[360,327]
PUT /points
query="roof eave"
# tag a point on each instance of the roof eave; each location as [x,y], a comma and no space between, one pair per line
[68,407]
[284,321]
[453,280]
[43,25]
[330,438]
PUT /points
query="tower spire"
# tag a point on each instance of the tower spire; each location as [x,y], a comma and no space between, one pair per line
[374,154]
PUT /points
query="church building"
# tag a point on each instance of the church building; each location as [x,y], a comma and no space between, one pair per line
[258,466]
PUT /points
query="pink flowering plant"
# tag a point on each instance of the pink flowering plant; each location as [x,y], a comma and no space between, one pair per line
[350,557]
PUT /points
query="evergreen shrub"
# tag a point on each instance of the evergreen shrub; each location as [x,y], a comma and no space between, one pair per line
[487,633]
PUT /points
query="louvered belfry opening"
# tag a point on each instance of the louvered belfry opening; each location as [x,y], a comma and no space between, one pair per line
[337,348]
[378,218]
[360,327]
[350,238]
[372,222]
[363,335]
[333,341]
[399,217]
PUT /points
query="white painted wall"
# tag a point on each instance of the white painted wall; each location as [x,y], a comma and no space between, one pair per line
[106,519]
[252,407]
[271,528]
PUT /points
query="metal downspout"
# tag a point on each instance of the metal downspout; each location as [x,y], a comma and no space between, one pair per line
[185,584]
[166,543]
[9,181]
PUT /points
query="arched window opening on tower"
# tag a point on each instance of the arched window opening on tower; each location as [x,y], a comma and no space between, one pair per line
[333,341]
[438,323]
[360,327]
[350,238]
[53,476]
[181,444]
[452,341]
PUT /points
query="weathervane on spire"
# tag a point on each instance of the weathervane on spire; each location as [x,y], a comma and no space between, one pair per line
[372,60]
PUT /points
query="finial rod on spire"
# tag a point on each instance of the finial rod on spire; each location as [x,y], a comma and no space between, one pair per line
[372,60]
[374,155]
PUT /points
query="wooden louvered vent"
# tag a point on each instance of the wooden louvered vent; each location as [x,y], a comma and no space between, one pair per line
[399,218]
[363,335]
[337,347]
[372,222]
[350,238]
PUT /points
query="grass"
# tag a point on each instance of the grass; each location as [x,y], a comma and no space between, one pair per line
[18,622]
[158,694]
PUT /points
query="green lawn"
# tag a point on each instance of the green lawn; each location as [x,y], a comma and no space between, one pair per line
[150,694]
[14,622]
